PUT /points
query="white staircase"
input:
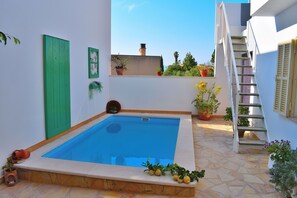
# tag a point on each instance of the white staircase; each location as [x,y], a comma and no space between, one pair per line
[242,86]
[248,95]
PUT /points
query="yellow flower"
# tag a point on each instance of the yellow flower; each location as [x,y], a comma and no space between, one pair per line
[202,87]
[218,90]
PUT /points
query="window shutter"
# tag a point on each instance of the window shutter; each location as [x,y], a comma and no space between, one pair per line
[283,79]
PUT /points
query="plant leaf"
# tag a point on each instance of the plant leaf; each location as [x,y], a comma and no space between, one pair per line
[3,37]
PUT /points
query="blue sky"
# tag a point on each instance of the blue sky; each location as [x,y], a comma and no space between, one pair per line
[165,26]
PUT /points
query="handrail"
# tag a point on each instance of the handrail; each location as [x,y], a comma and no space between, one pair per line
[254,38]
[231,46]
[230,63]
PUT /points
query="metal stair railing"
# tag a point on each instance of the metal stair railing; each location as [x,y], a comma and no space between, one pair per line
[230,64]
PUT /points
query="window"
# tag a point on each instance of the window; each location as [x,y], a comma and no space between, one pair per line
[285,80]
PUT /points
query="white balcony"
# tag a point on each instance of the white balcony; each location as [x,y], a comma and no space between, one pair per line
[270,7]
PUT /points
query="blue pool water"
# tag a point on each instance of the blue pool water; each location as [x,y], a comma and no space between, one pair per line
[123,140]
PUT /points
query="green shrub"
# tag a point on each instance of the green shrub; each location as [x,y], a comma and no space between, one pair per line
[242,111]
[283,175]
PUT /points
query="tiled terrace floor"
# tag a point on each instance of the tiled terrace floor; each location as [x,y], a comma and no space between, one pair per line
[227,174]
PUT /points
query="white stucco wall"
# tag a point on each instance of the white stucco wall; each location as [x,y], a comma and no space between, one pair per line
[233,11]
[85,24]
[256,4]
[268,38]
[164,93]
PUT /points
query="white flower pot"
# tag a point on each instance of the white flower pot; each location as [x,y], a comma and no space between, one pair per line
[270,162]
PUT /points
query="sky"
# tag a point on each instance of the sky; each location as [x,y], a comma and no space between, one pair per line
[165,26]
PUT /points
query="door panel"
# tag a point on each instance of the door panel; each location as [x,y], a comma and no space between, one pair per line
[56,85]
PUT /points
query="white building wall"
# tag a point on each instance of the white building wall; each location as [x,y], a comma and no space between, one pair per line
[267,37]
[85,24]
[256,4]
[233,11]
[164,93]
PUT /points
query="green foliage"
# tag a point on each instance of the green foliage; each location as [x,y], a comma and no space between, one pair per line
[95,86]
[242,111]
[189,62]
[176,55]
[280,150]
[4,37]
[154,167]
[174,169]
[172,70]
[161,64]
[206,99]
[283,175]
[119,61]
[212,60]
[9,165]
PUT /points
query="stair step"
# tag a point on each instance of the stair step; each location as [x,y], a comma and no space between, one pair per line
[242,58]
[250,105]
[246,74]
[252,142]
[240,50]
[238,37]
[258,129]
[248,84]
[251,116]
[243,66]
[238,43]
[249,94]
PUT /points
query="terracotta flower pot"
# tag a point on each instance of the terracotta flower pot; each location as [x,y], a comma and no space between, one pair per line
[10,178]
[204,115]
[159,73]
[20,154]
[120,71]
[203,72]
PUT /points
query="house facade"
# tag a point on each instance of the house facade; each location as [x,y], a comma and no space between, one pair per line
[270,37]
[139,64]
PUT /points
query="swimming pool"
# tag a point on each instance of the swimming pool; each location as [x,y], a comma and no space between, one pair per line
[106,176]
[123,140]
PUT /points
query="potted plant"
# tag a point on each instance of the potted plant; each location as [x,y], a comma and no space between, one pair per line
[113,109]
[121,64]
[203,70]
[280,151]
[206,100]
[241,121]
[10,173]
[95,86]
[159,71]
[283,174]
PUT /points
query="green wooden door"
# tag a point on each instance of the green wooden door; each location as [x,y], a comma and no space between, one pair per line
[56,85]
